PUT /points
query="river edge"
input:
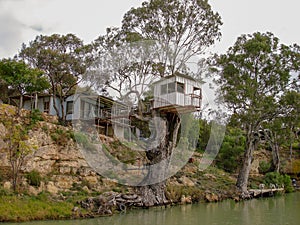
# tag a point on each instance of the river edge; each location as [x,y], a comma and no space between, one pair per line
[45,207]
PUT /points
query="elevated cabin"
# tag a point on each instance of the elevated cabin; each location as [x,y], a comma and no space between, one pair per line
[109,116]
[178,92]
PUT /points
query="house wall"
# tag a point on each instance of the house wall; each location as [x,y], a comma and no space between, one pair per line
[175,98]
[29,104]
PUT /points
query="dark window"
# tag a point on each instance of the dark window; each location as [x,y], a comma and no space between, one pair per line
[70,107]
[46,107]
[171,87]
[180,87]
[164,89]
[82,103]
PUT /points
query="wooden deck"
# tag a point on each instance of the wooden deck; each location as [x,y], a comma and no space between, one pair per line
[264,192]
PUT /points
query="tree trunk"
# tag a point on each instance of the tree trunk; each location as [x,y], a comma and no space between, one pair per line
[20,104]
[242,181]
[154,193]
[275,153]
[273,141]
[36,101]
[275,157]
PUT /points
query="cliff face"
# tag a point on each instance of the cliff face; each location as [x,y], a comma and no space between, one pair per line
[55,156]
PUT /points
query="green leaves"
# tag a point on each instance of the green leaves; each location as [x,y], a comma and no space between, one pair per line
[254,73]
[20,76]
[62,58]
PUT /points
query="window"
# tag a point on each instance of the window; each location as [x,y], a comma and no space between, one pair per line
[180,87]
[171,87]
[70,107]
[46,107]
[164,89]
[82,104]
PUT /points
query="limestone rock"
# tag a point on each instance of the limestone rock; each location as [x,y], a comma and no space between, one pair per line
[50,187]
[186,199]
[211,197]
[186,181]
[7,185]
[65,182]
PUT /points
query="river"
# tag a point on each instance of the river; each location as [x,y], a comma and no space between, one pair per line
[280,210]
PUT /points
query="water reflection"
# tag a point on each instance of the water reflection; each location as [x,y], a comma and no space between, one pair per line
[283,210]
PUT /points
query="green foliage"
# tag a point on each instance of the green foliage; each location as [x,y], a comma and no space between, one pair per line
[204,134]
[252,76]
[62,58]
[83,140]
[25,208]
[264,167]
[17,146]
[35,117]
[34,178]
[22,78]
[231,150]
[280,180]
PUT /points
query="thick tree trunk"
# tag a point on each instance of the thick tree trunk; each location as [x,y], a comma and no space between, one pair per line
[275,157]
[272,139]
[154,193]
[243,177]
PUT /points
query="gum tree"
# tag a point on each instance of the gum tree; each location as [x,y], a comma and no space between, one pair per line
[63,59]
[180,29]
[253,74]
[19,76]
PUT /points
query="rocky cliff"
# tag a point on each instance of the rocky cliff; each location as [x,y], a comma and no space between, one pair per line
[56,156]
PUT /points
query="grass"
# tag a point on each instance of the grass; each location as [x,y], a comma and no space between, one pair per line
[16,208]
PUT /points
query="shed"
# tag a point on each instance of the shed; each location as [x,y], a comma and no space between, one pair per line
[177,92]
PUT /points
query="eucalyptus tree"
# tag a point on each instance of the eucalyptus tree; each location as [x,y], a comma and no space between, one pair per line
[19,76]
[252,75]
[291,117]
[63,59]
[124,64]
[155,40]
[182,29]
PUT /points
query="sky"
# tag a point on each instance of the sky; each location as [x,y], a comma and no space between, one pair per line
[22,20]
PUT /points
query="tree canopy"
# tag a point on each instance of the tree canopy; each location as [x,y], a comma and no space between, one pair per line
[19,76]
[181,28]
[253,75]
[63,58]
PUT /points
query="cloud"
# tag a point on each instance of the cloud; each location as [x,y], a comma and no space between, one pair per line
[10,34]
[37,27]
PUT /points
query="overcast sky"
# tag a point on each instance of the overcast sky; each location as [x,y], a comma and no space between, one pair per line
[22,20]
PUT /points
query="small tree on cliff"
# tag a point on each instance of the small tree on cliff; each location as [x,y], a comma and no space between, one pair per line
[16,139]
[252,76]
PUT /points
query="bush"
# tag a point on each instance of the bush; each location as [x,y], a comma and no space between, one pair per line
[231,150]
[280,180]
[34,178]
[35,116]
[264,167]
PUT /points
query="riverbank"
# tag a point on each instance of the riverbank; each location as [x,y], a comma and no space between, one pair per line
[186,187]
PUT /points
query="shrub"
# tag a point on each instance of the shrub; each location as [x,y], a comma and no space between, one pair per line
[34,178]
[278,179]
[231,150]
[264,167]
[35,116]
